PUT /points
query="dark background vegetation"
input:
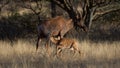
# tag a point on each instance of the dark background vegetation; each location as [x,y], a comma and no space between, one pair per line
[14,25]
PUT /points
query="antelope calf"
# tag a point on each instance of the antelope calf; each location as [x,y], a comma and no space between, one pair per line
[66,43]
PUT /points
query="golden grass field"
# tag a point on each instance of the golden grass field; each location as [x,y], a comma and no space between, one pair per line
[94,55]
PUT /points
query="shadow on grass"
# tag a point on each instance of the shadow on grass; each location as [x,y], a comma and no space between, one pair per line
[44,63]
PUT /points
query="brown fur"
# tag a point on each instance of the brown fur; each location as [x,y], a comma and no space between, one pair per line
[66,43]
[53,27]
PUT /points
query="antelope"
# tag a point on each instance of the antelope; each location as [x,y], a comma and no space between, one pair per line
[65,43]
[53,27]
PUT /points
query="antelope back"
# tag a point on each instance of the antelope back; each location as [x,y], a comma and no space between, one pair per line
[55,25]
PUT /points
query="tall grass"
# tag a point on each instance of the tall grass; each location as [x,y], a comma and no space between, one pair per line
[94,55]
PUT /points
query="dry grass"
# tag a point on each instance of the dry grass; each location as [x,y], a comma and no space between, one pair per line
[24,55]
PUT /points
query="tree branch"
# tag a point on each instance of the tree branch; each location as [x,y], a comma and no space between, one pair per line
[3,4]
[106,9]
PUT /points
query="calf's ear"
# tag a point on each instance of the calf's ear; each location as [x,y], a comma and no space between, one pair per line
[57,38]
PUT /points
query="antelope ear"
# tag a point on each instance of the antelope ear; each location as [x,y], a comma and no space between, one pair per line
[57,38]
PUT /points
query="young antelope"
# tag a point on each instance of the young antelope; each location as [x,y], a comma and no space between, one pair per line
[65,43]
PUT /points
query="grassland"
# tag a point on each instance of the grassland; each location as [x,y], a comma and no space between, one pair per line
[94,55]
[101,51]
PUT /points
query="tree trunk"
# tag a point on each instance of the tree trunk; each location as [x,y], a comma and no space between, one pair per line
[53,9]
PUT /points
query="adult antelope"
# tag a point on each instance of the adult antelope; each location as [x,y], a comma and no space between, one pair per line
[53,27]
